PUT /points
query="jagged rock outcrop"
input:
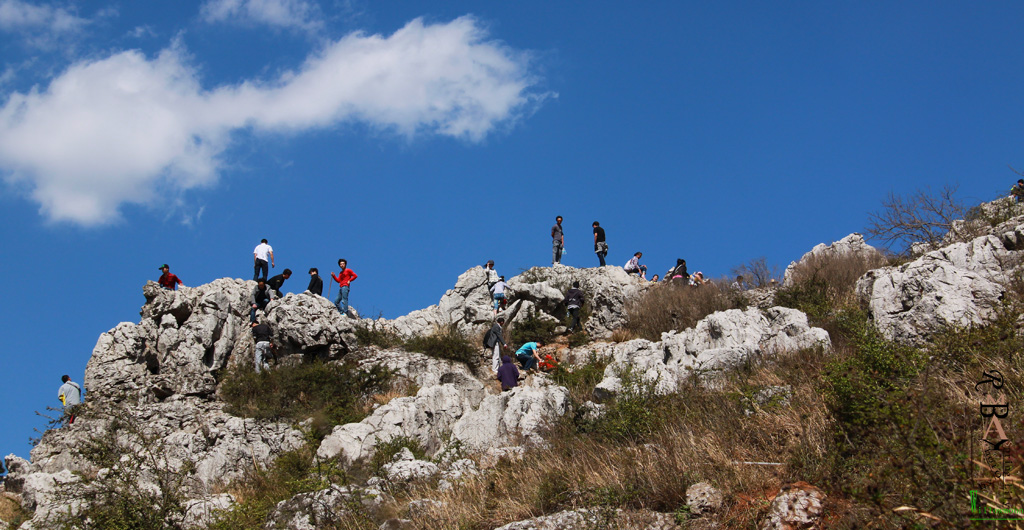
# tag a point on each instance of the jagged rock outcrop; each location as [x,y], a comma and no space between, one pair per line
[459,407]
[718,342]
[468,305]
[957,285]
[851,245]
[316,509]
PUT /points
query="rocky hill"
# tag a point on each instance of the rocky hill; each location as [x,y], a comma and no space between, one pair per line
[439,443]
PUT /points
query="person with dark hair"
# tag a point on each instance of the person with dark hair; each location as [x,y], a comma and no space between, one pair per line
[498,292]
[167,280]
[678,273]
[600,245]
[70,395]
[633,266]
[316,285]
[492,275]
[528,356]
[557,241]
[344,278]
[494,340]
[260,255]
[655,278]
[261,296]
[264,347]
[276,282]
[1017,192]
[508,374]
[574,301]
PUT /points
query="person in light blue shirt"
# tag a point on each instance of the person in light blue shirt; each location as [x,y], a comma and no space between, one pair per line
[498,292]
[528,356]
[70,394]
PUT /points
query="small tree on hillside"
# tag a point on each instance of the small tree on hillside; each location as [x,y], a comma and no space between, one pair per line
[924,216]
[757,272]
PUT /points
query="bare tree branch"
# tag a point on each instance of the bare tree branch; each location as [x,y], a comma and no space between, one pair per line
[924,216]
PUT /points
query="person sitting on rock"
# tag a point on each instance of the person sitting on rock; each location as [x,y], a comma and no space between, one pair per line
[167,280]
[264,347]
[316,285]
[494,340]
[574,301]
[1017,192]
[261,296]
[527,355]
[678,273]
[508,374]
[498,292]
[633,266]
[70,395]
[275,282]
[697,279]
[738,285]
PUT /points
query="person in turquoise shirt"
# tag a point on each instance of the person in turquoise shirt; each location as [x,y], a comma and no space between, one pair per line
[528,356]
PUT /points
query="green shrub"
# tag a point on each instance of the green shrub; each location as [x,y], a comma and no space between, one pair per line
[533,328]
[385,452]
[374,334]
[633,415]
[447,343]
[330,393]
[581,378]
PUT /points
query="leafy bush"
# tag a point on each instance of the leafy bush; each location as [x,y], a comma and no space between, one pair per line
[672,306]
[330,393]
[581,378]
[447,343]
[533,328]
[374,334]
[385,452]
[633,415]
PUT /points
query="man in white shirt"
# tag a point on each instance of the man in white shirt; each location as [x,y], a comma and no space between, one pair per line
[260,256]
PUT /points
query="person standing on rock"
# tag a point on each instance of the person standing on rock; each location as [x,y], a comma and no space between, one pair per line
[528,356]
[344,279]
[167,280]
[260,255]
[277,282]
[508,374]
[261,296]
[264,348]
[557,241]
[494,340]
[600,245]
[574,301]
[70,395]
[492,275]
[633,266]
[498,293]
[1017,192]
[316,284]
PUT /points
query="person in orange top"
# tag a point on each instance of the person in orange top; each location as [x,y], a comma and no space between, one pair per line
[344,279]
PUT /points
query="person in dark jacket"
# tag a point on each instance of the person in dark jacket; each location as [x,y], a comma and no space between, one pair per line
[275,282]
[678,273]
[574,301]
[508,374]
[492,340]
[261,296]
[264,347]
[316,284]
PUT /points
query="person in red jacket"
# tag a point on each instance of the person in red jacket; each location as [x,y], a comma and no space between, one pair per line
[167,280]
[344,279]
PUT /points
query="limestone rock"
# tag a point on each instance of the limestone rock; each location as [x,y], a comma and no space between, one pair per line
[957,285]
[703,498]
[587,518]
[404,467]
[718,342]
[851,245]
[200,513]
[798,506]
[309,511]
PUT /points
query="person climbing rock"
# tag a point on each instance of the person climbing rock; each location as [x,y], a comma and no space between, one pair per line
[167,280]
[276,282]
[316,284]
[494,340]
[261,296]
[600,245]
[492,275]
[508,374]
[344,278]
[260,255]
[557,241]
[574,301]
[527,355]
[70,395]
[498,292]
[264,347]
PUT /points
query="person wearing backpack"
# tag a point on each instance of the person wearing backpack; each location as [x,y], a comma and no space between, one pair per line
[574,301]
[70,395]
[492,340]
[498,293]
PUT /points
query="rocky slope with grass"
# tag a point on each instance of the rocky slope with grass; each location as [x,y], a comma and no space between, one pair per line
[411,430]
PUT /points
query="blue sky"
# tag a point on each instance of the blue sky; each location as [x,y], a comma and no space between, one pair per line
[419,140]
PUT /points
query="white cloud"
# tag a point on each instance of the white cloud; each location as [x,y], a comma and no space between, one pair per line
[131,129]
[16,15]
[298,14]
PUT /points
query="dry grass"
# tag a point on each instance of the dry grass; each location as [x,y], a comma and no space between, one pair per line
[826,282]
[11,511]
[672,306]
